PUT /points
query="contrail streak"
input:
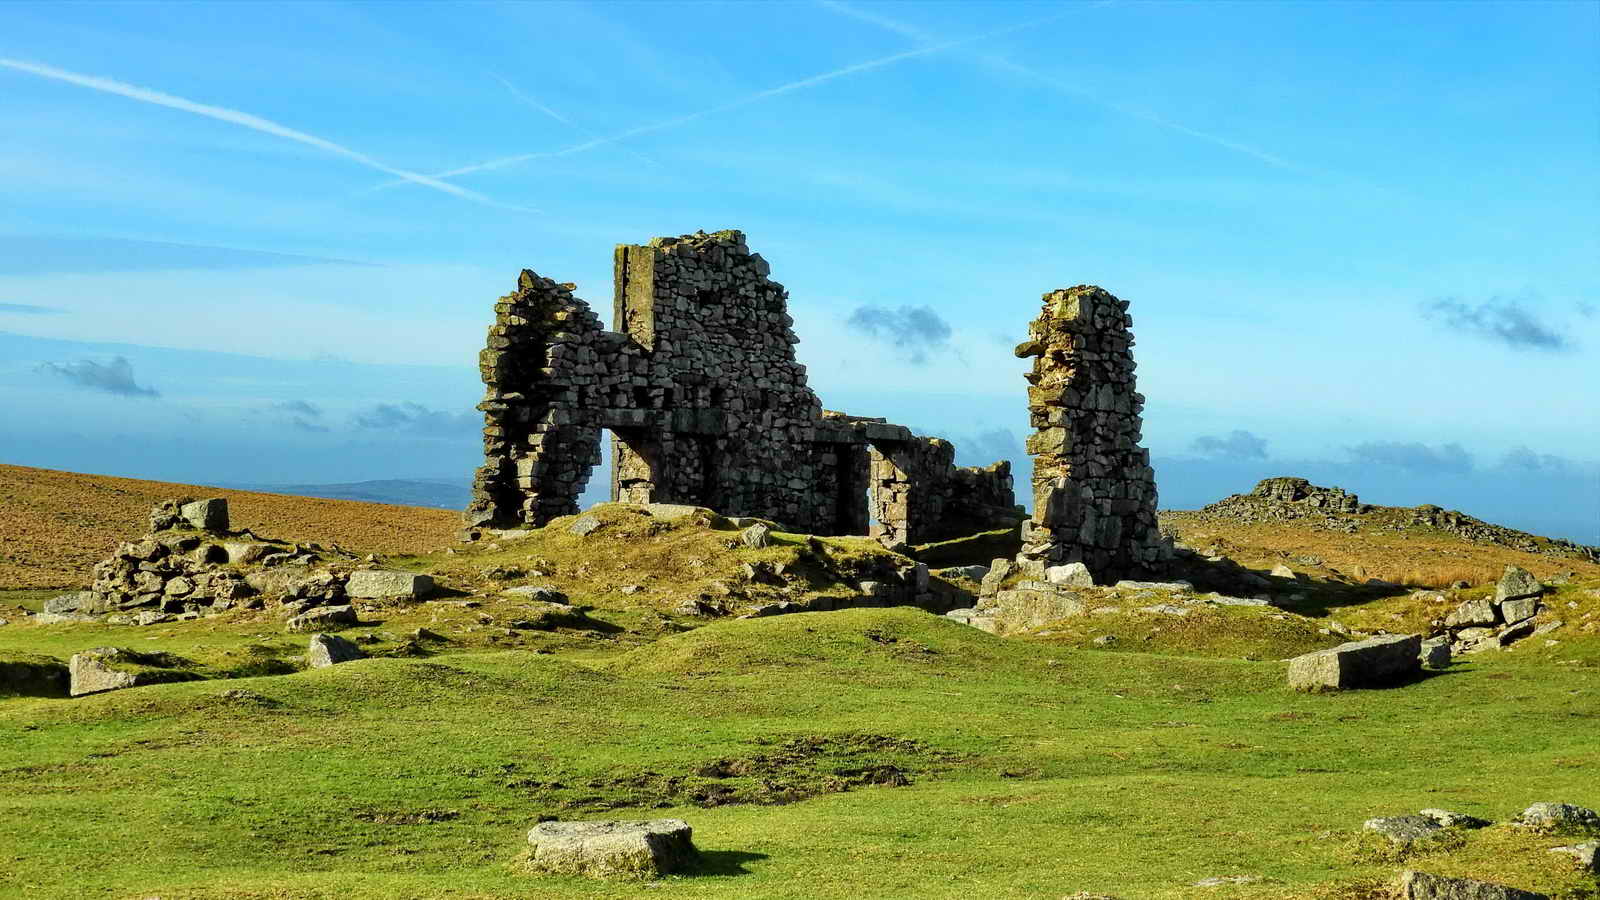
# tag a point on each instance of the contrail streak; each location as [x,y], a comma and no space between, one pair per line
[757,97]
[516,92]
[1064,87]
[256,123]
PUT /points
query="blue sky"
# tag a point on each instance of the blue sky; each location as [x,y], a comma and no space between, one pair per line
[1361,241]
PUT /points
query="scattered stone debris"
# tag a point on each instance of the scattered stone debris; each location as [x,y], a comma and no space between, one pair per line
[1374,662]
[1449,819]
[191,565]
[330,649]
[537,592]
[612,849]
[1558,816]
[1074,574]
[756,536]
[1484,623]
[1422,886]
[1436,652]
[323,617]
[1586,855]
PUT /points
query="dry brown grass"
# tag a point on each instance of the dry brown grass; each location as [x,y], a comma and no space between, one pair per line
[1416,557]
[54,526]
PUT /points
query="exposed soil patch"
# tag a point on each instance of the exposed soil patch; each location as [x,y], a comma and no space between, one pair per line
[408,817]
[798,769]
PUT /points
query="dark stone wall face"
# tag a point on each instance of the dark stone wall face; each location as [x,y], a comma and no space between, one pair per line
[705,401]
[1094,492]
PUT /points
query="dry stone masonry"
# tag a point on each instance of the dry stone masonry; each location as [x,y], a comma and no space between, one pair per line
[706,405]
[190,565]
[1094,493]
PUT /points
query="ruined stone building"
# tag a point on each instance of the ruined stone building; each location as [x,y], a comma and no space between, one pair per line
[706,405]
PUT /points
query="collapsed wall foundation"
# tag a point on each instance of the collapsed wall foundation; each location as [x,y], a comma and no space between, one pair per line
[706,405]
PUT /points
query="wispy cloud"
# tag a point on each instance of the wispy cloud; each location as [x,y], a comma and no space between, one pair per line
[1526,459]
[246,120]
[1505,321]
[1060,85]
[29,309]
[301,415]
[52,254]
[115,377]
[1413,457]
[915,330]
[415,418]
[757,97]
[1236,444]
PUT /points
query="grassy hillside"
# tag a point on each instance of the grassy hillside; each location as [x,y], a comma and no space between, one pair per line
[866,752]
[54,526]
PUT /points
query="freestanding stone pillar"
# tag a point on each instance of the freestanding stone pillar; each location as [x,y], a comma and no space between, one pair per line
[1094,493]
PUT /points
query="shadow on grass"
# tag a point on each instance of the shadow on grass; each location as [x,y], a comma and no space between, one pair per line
[1418,678]
[722,863]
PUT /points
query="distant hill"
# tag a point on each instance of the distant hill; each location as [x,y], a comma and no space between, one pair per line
[441,493]
[1329,531]
[54,526]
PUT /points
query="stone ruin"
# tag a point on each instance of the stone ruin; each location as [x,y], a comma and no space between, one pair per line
[1094,493]
[708,406]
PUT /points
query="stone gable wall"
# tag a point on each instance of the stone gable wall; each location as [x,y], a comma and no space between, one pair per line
[1094,492]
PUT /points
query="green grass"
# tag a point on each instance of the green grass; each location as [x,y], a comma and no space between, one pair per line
[1034,769]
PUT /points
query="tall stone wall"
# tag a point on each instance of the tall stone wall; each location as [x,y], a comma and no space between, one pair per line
[704,398]
[1094,492]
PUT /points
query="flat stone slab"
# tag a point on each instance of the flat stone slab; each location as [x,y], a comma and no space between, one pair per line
[536,592]
[1126,585]
[971,616]
[1370,663]
[114,668]
[612,849]
[1220,600]
[374,584]
[1514,611]
[1422,886]
[671,512]
[77,601]
[1032,604]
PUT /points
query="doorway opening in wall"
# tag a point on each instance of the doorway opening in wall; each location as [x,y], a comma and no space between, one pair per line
[598,490]
[635,466]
